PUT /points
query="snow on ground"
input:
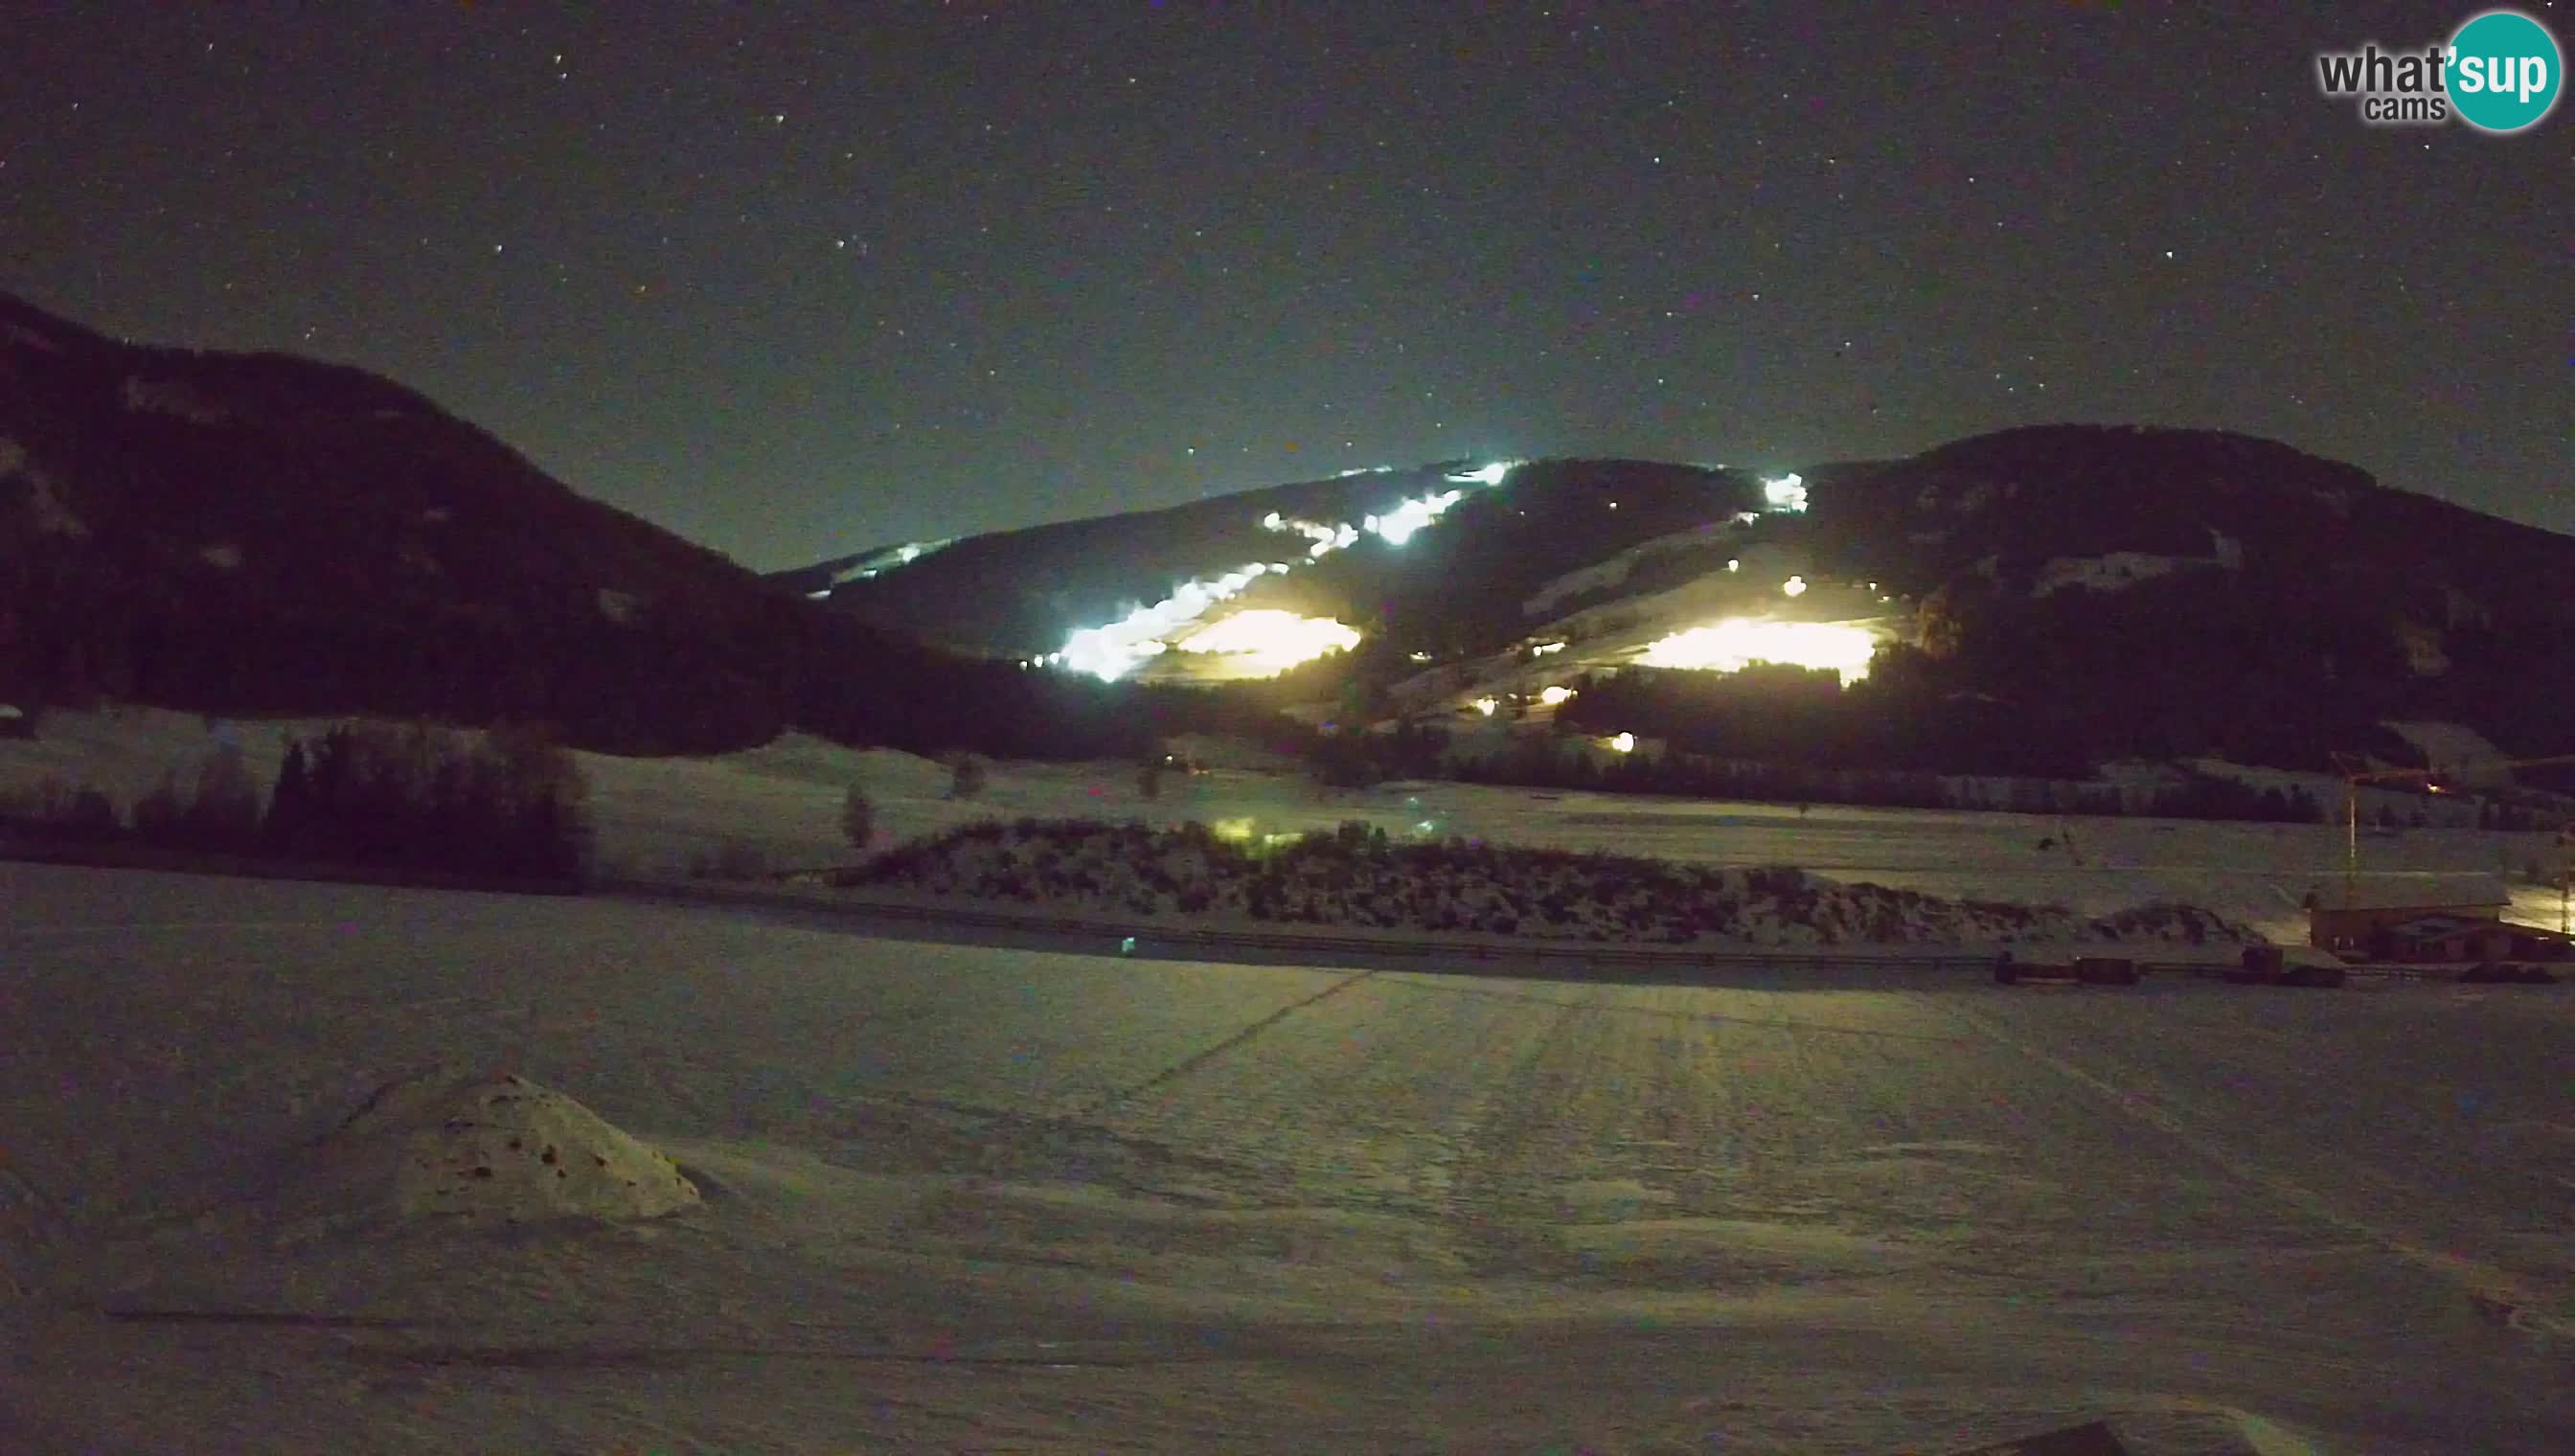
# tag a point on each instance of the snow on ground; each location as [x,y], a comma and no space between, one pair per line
[2120,570]
[1612,571]
[785,800]
[2449,745]
[968,1198]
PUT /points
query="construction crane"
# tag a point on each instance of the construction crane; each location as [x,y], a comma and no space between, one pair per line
[2356,772]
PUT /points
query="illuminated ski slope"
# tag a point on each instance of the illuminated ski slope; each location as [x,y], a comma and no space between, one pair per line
[876,563]
[1116,649]
[1737,642]
[1113,649]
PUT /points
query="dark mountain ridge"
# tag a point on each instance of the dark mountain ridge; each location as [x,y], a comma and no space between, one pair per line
[257,533]
[260,535]
[2099,590]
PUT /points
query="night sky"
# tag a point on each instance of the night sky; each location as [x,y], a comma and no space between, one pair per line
[794,280]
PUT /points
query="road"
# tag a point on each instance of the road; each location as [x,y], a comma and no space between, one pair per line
[988,1198]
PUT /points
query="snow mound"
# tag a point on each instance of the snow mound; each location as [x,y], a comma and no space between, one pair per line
[494,1147]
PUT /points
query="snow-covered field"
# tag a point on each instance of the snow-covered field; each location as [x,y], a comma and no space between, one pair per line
[976,1199]
[784,800]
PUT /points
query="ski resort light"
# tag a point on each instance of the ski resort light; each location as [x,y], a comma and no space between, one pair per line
[1544,648]
[1624,742]
[1492,474]
[1552,696]
[1736,566]
[1112,652]
[1787,493]
[1327,538]
[1486,706]
[876,563]
[1398,525]
[1794,586]
[1271,642]
[1737,642]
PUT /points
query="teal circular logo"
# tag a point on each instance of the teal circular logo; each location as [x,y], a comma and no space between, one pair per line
[2504,71]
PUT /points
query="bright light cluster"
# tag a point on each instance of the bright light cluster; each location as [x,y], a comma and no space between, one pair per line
[1787,493]
[1794,586]
[1327,538]
[1112,652]
[1552,696]
[1397,526]
[1270,641]
[1737,642]
[1486,475]
[878,562]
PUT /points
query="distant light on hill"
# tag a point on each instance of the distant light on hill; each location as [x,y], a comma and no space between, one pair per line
[1270,641]
[1486,475]
[1112,652]
[1397,526]
[1787,493]
[1737,642]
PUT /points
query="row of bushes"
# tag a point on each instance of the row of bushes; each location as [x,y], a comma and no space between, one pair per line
[1357,875]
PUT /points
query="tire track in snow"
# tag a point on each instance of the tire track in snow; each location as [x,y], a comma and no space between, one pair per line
[1198,1059]
[2494,1292]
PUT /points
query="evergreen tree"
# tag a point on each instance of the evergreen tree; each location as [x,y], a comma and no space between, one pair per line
[290,805]
[859,819]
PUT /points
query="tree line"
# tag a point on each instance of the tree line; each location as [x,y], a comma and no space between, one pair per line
[509,805]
